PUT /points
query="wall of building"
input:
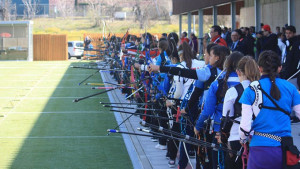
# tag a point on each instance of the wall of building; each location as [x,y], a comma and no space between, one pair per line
[274,14]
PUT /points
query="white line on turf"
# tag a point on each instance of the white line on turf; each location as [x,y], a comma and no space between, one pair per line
[32,68]
[59,80]
[55,74]
[44,87]
[58,137]
[33,98]
[25,96]
[63,112]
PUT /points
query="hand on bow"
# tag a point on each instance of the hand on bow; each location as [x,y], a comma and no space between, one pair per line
[153,68]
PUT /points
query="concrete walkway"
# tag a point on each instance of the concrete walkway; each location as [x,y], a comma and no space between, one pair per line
[142,150]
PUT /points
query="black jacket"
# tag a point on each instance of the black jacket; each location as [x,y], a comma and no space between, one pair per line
[270,43]
[240,47]
[291,64]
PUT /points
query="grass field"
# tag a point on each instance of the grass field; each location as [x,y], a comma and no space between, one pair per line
[42,128]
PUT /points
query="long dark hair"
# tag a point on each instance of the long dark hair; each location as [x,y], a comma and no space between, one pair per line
[173,36]
[222,52]
[269,61]
[172,47]
[230,66]
[187,54]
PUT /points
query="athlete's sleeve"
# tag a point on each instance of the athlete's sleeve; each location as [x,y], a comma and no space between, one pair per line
[246,100]
[295,96]
[296,102]
[247,97]
[209,106]
[188,73]
[179,86]
[203,74]
[245,125]
[229,101]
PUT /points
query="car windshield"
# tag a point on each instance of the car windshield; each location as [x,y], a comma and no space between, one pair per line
[70,44]
[79,44]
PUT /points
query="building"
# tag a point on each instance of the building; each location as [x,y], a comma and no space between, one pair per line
[241,12]
[42,7]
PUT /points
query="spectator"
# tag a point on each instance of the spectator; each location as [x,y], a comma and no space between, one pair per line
[237,44]
[194,44]
[281,45]
[283,30]
[291,60]
[252,31]
[258,44]
[87,42]
[184,38]
[277,30]
[215,34]
[248,41]
[226,35]
[269,41]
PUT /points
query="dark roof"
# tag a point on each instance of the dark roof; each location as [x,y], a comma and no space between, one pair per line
[184,6]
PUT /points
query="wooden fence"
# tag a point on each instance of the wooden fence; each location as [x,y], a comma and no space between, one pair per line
[50,47]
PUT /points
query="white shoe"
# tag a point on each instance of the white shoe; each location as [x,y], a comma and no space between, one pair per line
[161,147]
[157,146]
[153,139]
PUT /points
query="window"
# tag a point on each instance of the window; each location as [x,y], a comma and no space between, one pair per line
[80,44]
[70,44]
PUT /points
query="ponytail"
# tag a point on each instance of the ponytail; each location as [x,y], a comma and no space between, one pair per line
[187,54]
[249,68]
[230,66]
[269,61]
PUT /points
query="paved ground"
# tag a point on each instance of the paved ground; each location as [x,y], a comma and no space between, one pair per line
[141,149]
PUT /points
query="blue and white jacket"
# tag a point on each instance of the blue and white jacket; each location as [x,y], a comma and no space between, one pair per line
[211,108]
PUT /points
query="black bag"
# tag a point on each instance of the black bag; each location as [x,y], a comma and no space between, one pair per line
[290,154]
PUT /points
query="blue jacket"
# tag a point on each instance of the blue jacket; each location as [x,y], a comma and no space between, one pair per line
[211,108]
[272,121]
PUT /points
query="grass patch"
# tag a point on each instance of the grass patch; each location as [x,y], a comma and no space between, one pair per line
[67,134]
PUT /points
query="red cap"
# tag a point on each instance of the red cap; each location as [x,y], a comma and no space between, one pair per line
[267,28]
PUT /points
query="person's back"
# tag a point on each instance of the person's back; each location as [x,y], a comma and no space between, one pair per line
[270,100]
[273,122]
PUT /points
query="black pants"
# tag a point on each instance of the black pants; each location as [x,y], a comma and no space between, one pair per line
[173,144]
[230,158]
[160,122]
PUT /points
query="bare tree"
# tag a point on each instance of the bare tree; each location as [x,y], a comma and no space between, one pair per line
[65,8]
[31,8]
[112,7]
[95,12]
[7,9]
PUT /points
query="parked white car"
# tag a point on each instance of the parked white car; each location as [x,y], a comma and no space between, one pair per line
[75,49]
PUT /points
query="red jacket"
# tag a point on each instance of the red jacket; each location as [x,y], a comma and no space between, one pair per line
[184,39]
[219,40]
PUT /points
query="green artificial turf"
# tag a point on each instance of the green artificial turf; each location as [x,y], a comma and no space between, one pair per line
[41,127]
